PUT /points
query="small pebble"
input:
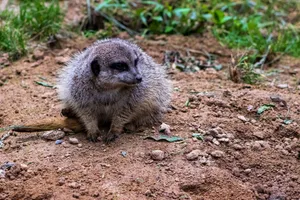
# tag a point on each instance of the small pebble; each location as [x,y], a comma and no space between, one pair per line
[2,173]
[24,167]
[73,140]
[61,181]
[157,155]
[96,194]
[237,147]
[247,171]
[53,135]
[259,135]
[215,141]
[79,145]
[74,185]
[225,140]
[282,86]
[76,195]
[243,118]
[165,128]
[37,54]
[193,154]
[217,154]
[58,141]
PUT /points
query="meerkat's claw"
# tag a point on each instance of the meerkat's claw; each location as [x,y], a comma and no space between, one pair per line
[109,137]
[92,137]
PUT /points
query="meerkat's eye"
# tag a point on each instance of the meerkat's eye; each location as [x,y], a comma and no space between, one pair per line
[120,66]
[95,67]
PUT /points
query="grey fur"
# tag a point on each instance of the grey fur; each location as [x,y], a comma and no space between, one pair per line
[111,96]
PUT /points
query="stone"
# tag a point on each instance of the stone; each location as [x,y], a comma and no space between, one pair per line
[217,154]
[157,155]
[73,140]
[53,135]
[237,147]
[215,141]
[242,118]
[259,135]
[38,55]
[193,154]
[165,128]
[74,185]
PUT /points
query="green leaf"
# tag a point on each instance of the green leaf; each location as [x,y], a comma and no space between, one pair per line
[218,67]
[187,103]
[45,84]
[143,18]
[168,29]
[158,18]
[198,136]
[287,121]
[264,107]
[179,12]
[165,138]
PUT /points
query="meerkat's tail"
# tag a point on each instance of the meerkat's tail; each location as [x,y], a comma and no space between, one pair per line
[50,124]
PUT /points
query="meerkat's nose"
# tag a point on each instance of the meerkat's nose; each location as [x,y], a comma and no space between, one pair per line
[138,78]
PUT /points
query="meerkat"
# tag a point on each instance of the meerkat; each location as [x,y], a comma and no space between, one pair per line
[114,82]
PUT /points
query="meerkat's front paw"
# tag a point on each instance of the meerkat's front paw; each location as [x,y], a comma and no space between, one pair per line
[92,136]
[109,137]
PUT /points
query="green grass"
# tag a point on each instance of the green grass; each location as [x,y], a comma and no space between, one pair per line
[36,19]
[247,24]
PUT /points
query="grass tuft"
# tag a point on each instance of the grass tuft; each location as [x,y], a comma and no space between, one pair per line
[36,19]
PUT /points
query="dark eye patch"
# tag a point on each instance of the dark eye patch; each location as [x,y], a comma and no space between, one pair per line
[95,67]
[120,66]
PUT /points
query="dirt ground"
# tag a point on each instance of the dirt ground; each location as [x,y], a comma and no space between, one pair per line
[243,156]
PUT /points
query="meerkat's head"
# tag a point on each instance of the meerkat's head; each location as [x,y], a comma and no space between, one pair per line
[116,64]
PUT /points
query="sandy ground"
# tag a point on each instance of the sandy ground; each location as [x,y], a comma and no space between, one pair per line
[243,156]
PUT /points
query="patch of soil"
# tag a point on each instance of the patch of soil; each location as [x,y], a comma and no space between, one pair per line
[249,157]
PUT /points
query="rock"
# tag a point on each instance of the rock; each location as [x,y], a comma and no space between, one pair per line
[277,196]
[208,138]
[73,140]
[217,154]
[243,118]
[213,132]
[74,185]
[38,55]
[37,63]
[96,194]
[24,167]
[67,130]
[259,135]
[61,181]
[193,154]
[215,141]
[53,135]
[282,86]
[79,145]
[237,147]
[76,195]
[165,128]
[256,146]
[2,173]
[62,60]
[247,171]
[157,155]
[225,140]
[58,141]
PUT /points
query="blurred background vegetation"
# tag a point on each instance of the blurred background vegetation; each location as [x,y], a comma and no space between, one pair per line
[262,26]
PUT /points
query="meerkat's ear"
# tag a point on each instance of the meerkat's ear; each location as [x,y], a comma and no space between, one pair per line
[95,67]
